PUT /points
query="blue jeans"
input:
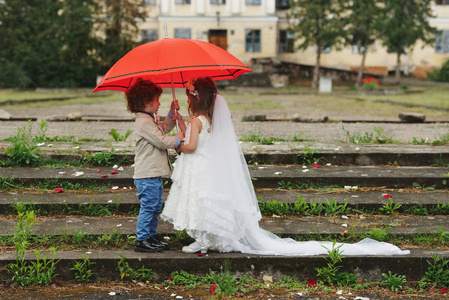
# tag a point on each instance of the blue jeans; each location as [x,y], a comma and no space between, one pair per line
[150,197]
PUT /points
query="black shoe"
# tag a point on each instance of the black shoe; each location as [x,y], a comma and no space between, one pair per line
[146,246]
[158,241]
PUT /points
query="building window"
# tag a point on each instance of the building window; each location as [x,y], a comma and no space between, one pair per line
[442,42]
[286,41]
[148,35]
[182,33]
[217,2]
[252,40]
[357,48]
[282,4]
[253,2]
[149,2]
[181,2]
[442,2]
[326,49]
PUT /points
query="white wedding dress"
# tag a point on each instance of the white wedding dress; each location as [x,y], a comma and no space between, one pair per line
[212,197]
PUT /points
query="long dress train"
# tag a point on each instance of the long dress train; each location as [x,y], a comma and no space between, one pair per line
[212,197]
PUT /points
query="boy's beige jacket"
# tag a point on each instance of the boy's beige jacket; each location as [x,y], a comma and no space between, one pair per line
[151,159]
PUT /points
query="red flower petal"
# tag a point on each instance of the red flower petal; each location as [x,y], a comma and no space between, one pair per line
[239,296]
[387,196]
[104,176]
[59,190]
[98,171]
[114,172]
[1,148]
[212,289]
[360,282]
[171,278]
[444,290]
[315,165]
[112,191]
[200,254]
[312,283]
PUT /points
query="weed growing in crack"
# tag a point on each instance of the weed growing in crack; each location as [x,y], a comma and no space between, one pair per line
[23,150]
[393,282]
[25,273]
[437,273]
[129,274]
[331,274]
[82,269]
[117,137]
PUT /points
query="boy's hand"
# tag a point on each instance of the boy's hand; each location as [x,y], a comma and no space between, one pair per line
[174,106]
[179,150]
[180,135]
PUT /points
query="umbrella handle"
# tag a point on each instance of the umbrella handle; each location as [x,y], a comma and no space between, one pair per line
[174,98]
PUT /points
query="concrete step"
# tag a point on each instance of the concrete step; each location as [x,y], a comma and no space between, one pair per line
[367,268]
[268,176]
[336,153]
[125,200]
[401,225]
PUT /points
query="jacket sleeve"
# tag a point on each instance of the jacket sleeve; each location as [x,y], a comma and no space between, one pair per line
[167,125]
[150,132]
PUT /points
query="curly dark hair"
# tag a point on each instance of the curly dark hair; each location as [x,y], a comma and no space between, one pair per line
[204,103]
[140,94]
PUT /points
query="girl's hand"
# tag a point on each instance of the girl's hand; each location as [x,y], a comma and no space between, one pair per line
[177,117]
[180,135]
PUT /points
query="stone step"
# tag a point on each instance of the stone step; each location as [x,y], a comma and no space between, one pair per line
[125,200]
[366,268]
[268,176]
[401,225]
[336,153]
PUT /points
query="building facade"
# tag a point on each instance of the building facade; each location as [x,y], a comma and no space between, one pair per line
[257,29]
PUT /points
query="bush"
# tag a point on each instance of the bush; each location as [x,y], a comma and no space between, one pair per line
[13,75]
[441,74]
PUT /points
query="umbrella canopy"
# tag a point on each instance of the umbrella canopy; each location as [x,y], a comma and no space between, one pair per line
[171,63]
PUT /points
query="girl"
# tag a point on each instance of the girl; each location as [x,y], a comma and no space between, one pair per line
[212,196]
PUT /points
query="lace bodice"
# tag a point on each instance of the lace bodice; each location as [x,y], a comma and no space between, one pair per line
[203,137]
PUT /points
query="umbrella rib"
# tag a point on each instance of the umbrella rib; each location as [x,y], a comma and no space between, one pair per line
[174,68]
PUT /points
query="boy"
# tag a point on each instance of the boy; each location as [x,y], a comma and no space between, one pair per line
[151,159]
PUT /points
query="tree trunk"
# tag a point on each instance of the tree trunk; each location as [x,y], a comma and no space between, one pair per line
[316,71]
[397,77]
[361,69]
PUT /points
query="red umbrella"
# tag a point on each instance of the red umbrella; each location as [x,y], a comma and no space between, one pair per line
[171,63]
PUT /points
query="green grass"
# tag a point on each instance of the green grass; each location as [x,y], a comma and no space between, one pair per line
[80,97]
[288,99]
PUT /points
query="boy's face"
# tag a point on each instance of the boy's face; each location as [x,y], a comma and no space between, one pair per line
[153,106]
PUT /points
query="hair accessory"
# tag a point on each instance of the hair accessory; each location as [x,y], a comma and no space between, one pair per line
[191,87]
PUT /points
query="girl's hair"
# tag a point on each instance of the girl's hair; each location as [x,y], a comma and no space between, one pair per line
[203,103]
[140,94]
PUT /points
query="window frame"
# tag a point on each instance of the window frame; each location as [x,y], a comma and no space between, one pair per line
[179,30]
[217,2]
[182,2]
[149,2]
[149,39]
[442,42]
[253,2]
[286,41]
[254,46]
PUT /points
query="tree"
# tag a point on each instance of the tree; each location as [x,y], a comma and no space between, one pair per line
[404,23]
[46,43]
[363,19]
[316,23]
[119,25]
